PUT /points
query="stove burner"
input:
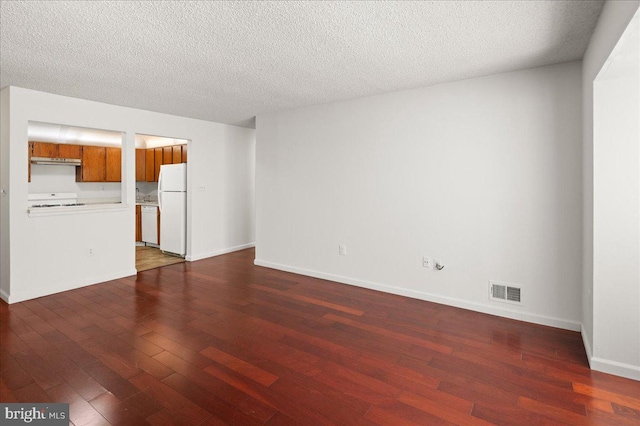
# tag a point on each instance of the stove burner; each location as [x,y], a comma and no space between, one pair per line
[58,205]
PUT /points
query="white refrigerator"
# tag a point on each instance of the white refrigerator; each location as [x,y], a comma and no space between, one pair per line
[172,201]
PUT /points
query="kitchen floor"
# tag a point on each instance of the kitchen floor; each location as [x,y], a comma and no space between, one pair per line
[151,257]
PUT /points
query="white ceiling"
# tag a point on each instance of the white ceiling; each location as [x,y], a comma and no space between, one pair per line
[230,61]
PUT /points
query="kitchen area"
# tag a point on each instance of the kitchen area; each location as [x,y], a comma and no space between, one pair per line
[74,170]
[161,177]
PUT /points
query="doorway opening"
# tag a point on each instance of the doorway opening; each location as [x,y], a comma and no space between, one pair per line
[161,201]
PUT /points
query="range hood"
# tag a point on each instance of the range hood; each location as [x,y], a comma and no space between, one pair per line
[56,161]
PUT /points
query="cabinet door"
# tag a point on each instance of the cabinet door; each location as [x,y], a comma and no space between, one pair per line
[69,151]
[141,160]
[138,223]
[167,155]
[150,166]
[45,149]
[158,163]
[177,154]
[94,164]
[114,164]
[184,153]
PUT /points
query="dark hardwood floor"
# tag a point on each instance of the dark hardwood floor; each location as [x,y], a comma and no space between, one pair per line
[221,341]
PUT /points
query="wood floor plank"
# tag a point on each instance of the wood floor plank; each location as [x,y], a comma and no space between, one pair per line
[242,367]
[178,406]
[81,412]
[115,411]
[222,341]
[624,400]
[217,388]
[392,334]
[311,300]
[6,395]
[450,411]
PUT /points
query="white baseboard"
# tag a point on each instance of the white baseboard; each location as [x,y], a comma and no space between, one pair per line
[450,301]
[47,291]
[586,341]
[614,367]
[4,296]
[608,366]
[201,256]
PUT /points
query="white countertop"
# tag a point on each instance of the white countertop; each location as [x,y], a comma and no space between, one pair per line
[87,208]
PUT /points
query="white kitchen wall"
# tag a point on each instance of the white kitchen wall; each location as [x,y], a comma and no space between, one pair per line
[49,254]
[613,20]
[483,174]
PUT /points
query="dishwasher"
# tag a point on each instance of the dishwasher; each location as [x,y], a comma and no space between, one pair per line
[150,224]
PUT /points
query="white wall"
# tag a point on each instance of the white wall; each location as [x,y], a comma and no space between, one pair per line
[484,174]
[613,20]
[5,229]
[48,254]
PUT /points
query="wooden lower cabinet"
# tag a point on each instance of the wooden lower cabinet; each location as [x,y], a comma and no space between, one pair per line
[138,223]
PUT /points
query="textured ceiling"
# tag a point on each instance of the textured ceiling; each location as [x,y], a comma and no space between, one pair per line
[230,61]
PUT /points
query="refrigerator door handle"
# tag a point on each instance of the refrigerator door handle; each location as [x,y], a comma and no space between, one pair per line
[160,191]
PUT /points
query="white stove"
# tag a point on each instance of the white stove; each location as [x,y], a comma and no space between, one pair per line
[53,199]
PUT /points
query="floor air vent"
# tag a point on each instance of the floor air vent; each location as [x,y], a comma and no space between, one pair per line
[502,292]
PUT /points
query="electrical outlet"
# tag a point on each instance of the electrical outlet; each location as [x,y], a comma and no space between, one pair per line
[342,250]
[90,252]
[426,261]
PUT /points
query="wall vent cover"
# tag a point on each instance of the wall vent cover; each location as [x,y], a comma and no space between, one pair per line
[503,292]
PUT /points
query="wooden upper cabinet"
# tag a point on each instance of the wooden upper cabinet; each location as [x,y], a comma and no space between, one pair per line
[150,166]
[69,151]
[167,155]
[177,154]
[114,164]
[184,153]
[45,149]
[158,163]
[93,164]
[141,161]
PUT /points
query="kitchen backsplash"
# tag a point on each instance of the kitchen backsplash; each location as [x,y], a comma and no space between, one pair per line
[63,179]
[148,190]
